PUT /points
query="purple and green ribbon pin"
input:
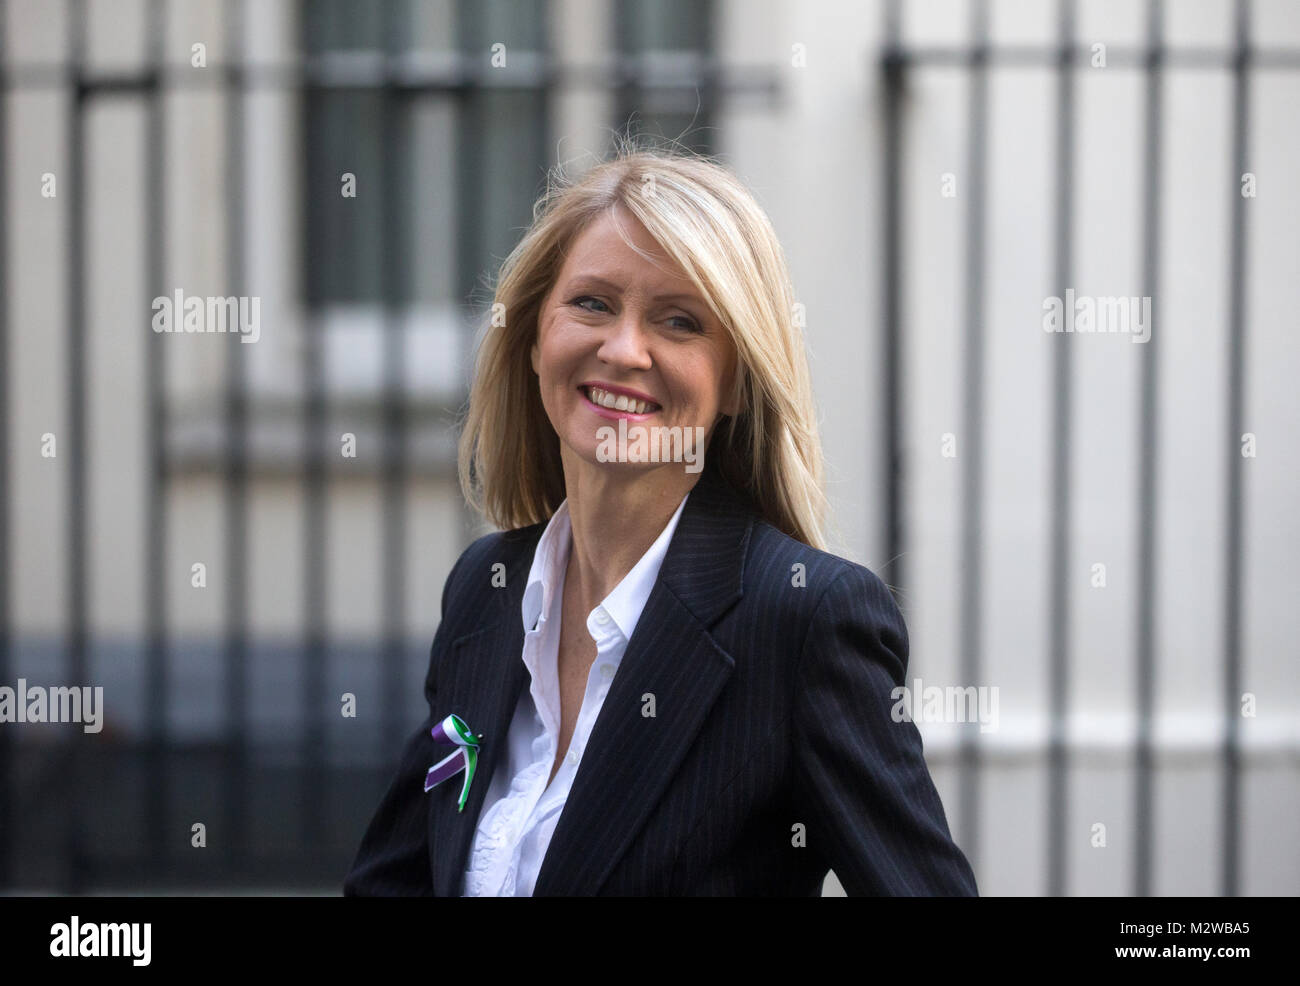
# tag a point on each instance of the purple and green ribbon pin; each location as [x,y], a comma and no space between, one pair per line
[453,731]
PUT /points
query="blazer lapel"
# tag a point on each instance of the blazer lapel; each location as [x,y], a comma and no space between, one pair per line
[631,757]
[480,679]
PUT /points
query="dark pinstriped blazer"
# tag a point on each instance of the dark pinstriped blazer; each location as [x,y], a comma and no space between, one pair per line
[772,710]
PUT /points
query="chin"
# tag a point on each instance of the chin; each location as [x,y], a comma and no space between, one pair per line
[589,456]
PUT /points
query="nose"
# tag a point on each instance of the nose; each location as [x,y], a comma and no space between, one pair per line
[624,344]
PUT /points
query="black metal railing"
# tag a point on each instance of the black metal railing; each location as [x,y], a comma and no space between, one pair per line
[77,815]
[899,63]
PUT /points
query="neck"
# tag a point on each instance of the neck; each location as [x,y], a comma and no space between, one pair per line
[615,518]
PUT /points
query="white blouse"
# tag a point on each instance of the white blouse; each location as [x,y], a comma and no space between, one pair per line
[520,811]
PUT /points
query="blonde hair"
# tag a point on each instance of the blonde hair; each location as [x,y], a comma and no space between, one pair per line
[709,223]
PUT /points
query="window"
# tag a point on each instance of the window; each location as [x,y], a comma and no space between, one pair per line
[447,159]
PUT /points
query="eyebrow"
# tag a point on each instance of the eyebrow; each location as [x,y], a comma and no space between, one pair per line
[590,279]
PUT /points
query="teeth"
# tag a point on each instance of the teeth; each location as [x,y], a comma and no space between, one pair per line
[617,402]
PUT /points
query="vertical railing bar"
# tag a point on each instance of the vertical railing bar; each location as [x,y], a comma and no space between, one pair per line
[468,103]
[710,82]
[1148,475]
[393,416]
[314,530]
[1230,875]
[972,506]
[157,813]
[8,837]
[1058,614]
[237,573]
[628,85]
[77,603]
[893,569]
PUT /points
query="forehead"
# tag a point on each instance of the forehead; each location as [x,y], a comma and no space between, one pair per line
[602,250]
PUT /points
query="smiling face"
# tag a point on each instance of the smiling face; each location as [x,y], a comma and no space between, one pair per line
[617,329]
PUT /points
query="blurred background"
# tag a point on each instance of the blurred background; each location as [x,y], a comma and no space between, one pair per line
[1103,530]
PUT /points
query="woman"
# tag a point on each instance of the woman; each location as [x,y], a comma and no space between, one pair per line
[655,681]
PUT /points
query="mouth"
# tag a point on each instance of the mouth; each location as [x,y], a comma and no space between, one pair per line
[611,405]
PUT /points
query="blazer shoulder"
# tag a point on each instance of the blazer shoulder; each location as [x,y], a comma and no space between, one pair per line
[778,561]
[790,577]
[472,575]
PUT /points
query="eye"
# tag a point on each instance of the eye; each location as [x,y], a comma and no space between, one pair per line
[683,322]
[586,297]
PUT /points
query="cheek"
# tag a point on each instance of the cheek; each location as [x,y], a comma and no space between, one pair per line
[558,350]
[545,361]
[704,386]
